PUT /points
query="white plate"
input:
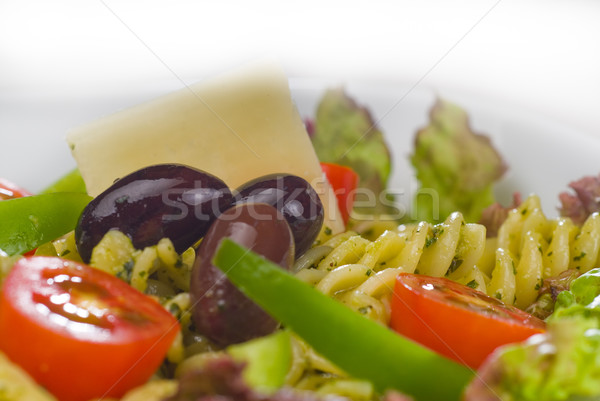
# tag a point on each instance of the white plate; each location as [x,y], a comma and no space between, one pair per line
[543,156]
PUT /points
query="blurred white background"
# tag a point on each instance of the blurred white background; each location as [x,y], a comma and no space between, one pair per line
[57,58]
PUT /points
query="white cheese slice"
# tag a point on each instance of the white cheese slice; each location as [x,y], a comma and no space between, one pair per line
[238,126]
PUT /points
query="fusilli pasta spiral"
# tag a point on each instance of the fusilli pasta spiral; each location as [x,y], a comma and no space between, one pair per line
[529,247]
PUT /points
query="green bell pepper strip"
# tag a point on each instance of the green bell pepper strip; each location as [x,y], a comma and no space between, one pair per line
[70,182]
[362,348]
[26,223]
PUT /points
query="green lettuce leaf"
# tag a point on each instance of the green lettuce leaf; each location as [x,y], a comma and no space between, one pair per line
[456,167]
[561,364]
[345,133]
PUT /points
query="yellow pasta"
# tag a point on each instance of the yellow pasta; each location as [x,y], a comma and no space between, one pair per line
[511,267]
[440,248]
[586,245]
[362,273]
[556,258]
[528,279]
[533,247]
[503,284]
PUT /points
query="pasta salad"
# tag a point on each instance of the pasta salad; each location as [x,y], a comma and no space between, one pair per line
[177,283]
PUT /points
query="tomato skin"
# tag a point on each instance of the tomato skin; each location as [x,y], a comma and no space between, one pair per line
[80,359]
[344,182]
[8,190]
[455,320]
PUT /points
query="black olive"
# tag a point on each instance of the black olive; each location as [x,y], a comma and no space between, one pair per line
[293,197]
[221,311]
[167,200]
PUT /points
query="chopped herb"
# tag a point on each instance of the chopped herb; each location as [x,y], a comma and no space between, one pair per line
[142,274]
[455,264]
[328,231]
[179,263]
[540,249]
[514,268]
[579,257]
[369,272]
[316,263]
[549,253]
[498,295]
[524,212]
[125,273]
[430,241]
[66,252]
[435,233]
[472,284]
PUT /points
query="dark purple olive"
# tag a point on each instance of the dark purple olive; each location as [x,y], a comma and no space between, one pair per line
[221,312]
[165,200]
[293,197]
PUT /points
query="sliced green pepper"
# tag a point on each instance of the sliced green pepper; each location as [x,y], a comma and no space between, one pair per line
[268,360]
[362,348]
[70,182]
[26,223]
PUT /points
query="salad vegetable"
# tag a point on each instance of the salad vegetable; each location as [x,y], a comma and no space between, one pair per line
[562,363]
[456,163]
[70,182]
[344,182]
[34,220]
[8,190]
[345,133]
[294,198]
[220,310]
[429,309]
[583,200]
[161,201]
[268,360]
[359,346]
[80,332]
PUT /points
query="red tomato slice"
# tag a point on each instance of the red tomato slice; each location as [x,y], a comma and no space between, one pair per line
[455,320]
[79,332]
[8,190]
[343,181]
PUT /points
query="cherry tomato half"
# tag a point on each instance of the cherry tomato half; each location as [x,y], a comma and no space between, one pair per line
[456,321]
[79,332]
[8,190]
[343,181]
